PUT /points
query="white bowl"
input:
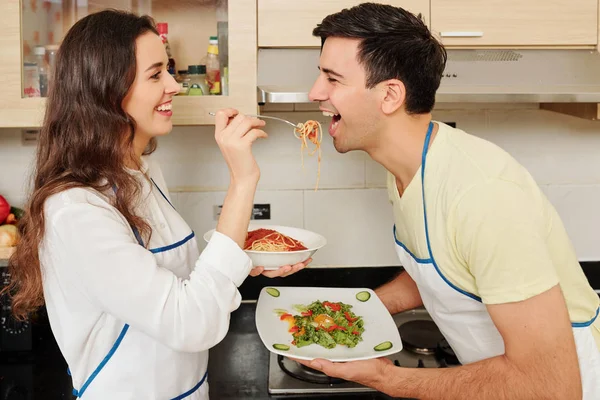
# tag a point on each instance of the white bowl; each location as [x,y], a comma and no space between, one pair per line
[275,259]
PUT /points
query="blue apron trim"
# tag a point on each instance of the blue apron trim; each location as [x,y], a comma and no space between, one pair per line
[174,245]
[419,260]
[423,159]
[192,390]
[115,346]
[588,323]
[79,393]
[161,192]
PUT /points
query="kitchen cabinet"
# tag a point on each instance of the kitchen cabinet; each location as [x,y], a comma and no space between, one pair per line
[290,23]
[27,24]
[459,23]
[515,22]
[590,111]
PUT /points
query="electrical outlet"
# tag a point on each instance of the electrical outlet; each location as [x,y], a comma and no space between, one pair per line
[259,211]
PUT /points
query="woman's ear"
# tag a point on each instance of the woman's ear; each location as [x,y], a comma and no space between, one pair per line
[394,95]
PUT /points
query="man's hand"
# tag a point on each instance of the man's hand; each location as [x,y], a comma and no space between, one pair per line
[283,271]
[366,372]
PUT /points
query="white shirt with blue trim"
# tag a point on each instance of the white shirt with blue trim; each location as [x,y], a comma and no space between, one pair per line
[97,279]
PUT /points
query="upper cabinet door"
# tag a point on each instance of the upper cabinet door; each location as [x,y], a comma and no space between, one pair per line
[290,23]
[33,29]
[515,22]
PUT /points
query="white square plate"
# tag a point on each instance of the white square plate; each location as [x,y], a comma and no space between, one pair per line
[378,323]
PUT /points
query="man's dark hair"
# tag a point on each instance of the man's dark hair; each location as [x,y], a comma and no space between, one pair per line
[395,44]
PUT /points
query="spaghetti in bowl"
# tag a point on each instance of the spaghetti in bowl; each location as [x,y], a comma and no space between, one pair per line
[278,245]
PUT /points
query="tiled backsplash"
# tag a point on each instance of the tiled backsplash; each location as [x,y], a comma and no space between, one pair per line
[350,208]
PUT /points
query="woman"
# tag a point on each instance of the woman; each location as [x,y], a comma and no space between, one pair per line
[133,306]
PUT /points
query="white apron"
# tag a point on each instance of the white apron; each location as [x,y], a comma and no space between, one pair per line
[463,318]
[177,375]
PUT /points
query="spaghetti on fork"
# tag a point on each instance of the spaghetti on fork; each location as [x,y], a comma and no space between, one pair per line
[310,132]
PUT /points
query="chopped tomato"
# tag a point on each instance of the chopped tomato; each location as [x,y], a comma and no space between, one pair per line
[284,316]
[341,328]
[307,313]
[294,328]
[355,332]
[294,342]
[333,306]
[349,318]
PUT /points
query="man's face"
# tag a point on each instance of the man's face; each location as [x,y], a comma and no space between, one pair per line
[340,90]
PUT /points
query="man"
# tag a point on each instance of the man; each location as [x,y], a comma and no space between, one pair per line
[482,248]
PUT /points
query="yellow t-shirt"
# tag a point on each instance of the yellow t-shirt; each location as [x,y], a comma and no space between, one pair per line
[493,232]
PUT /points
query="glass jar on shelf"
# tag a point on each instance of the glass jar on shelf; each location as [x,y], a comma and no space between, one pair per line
[197,78]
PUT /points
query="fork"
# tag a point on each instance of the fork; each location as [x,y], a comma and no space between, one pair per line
[267,116]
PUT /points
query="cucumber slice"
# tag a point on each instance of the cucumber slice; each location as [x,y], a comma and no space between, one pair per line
[383,346]
[363,296]
[283,347]
[273,292]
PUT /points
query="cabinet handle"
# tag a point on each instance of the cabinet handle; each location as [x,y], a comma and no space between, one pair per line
[461,34]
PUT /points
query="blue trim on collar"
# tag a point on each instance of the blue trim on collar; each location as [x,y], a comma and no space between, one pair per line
[588,323]
[161,192]
[174,245]
[419,260]
[192,390]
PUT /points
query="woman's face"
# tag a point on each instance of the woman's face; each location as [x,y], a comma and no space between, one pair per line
[149,98]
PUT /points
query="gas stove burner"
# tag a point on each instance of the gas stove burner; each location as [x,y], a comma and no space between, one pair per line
[304,373]
[444,352]
[420,336]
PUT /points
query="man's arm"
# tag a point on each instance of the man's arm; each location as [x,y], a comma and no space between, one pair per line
[540,360]
[400,294]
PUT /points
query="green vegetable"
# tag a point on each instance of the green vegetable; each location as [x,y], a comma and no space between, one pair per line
[18,212]
[283,347]
[327,324]
[363,296]
[383,346]
[273,292]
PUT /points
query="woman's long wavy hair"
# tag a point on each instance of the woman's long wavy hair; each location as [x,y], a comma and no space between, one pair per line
[86,139]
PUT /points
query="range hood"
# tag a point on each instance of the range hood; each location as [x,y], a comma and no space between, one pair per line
[471,76]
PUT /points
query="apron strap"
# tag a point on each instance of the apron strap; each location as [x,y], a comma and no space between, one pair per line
[115,346]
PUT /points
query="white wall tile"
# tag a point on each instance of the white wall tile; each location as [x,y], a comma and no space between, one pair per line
[281,166]
[356,223]
[556,149]
[16,166]
[561,152]
[375,174]
[198,209]
[579,209]
[191,160]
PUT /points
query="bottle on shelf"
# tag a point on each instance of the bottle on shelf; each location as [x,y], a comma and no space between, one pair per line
[197,80]
[163,31]
[223,36]
[51,51]
[213,69]
[42,66]
[184,82]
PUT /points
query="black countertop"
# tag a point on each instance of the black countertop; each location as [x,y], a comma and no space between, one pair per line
[238,366]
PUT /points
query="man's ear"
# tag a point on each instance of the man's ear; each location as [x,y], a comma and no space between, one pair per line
[393,95]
